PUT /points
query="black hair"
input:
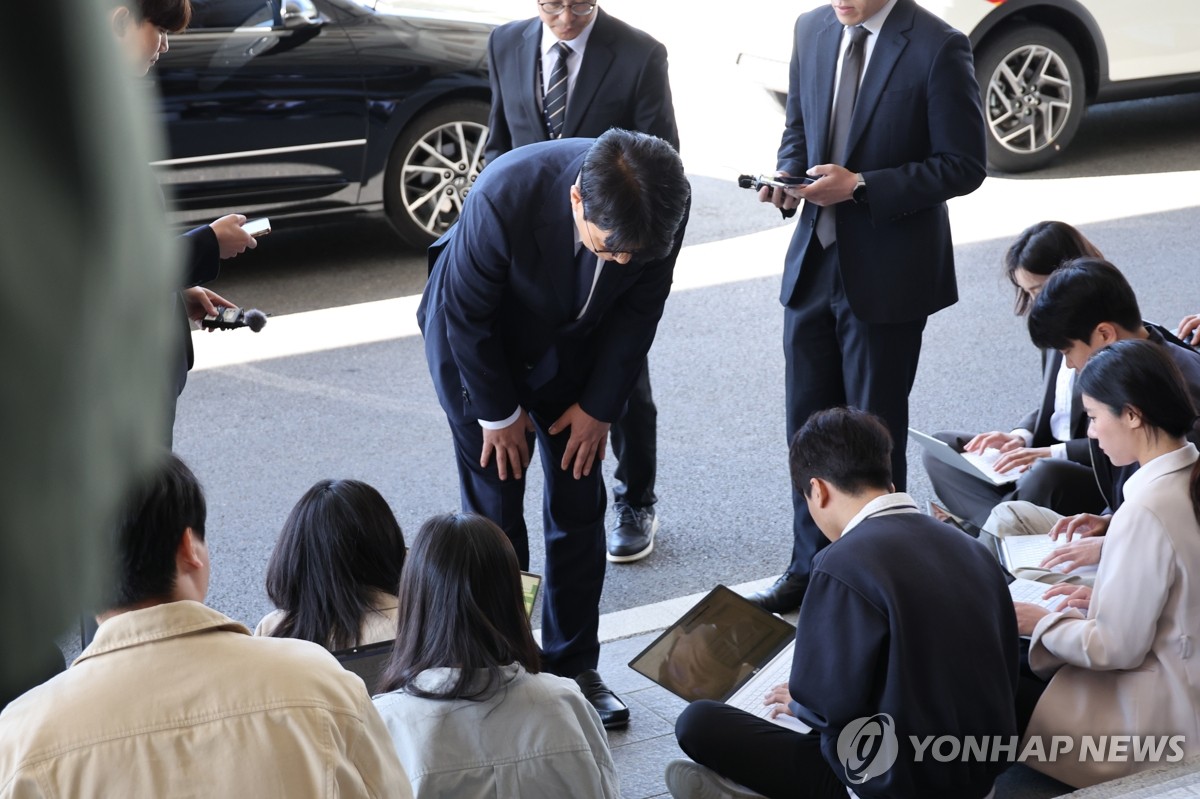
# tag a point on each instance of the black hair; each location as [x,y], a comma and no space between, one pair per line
[340,543]
[1080,295]
[461,605]
[1040,249]
[846,447]
[156,511]
[633,186]
[1140,375]
[170,15]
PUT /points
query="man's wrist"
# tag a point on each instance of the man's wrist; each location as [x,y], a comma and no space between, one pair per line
[860,189]
[486,425]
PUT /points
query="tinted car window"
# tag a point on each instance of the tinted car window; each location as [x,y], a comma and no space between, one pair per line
[207,14]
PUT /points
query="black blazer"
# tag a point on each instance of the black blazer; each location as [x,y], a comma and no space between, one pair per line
[622,83]
[917,137]
[498,312]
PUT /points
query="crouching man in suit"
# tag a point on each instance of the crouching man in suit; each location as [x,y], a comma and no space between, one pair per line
[542,303]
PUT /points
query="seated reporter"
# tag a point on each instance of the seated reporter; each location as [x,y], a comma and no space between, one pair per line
[904,616]
[335,569]
[1048,447]
[174,699]
[1085,305]
[468,711]
[1124,665]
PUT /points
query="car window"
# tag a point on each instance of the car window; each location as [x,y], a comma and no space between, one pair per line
[209,14]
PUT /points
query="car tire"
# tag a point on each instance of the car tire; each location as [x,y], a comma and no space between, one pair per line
[1031,82]
[432,167]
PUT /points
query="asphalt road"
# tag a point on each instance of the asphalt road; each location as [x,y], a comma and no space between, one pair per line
[258,433]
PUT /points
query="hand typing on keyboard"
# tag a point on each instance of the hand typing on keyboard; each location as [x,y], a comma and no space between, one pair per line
[1084,552]
[777,700]
[1074,596]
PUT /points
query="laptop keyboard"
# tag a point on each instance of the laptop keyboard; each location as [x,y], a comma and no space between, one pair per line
[1023,590]
[750,696]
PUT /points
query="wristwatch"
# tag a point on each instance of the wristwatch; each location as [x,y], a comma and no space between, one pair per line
[860,190]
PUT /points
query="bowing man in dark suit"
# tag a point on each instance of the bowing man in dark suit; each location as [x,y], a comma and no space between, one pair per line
[616,76]
[883,109]
[542,302]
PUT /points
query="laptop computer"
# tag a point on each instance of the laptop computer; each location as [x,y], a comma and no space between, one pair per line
[724,648]
[367,661]
[972,463]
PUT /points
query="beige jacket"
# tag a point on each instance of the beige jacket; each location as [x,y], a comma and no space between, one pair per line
[1129,667]
[378,625]
[179,700]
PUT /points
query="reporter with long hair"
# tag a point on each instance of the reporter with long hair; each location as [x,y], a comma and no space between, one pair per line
[467,709]
[1126,665]
[336,567]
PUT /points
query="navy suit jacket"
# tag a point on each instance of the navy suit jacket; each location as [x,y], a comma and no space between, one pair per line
[917,137]
[498,313]
[622,83]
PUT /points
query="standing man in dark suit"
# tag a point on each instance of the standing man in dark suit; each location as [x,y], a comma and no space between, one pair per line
[542,303]
[883,111]
[616,76]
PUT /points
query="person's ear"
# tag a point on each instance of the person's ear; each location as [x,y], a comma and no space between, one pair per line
[189,556]
[120,19]
[818,492]
[1133,417]
[1106,332]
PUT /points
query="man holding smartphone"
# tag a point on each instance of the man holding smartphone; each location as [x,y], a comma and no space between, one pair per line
[883,109]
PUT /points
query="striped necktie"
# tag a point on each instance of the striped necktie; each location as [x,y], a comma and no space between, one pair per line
[554,106]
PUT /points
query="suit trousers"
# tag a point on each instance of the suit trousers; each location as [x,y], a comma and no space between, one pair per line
[635,446]
[834,358]
[1063,486]
[573,518]
[777,762]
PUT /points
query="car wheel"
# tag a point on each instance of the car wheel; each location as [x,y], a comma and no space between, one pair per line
[433,165]
[1033,93]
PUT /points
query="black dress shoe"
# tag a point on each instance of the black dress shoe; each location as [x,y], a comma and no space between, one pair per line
[782,597]
[613,712]
[632,538]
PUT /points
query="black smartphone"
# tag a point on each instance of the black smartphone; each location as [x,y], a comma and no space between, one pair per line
[757,182]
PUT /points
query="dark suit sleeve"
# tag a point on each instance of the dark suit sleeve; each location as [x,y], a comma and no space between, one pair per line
[957,147]
[655,111]
[203,257]
[477,264]
[626,333]
[832,681]
[499,139]
[793,149]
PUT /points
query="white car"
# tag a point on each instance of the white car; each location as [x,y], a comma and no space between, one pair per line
[1041,62]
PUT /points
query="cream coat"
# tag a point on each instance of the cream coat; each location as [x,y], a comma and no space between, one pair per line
[178,700]
[1129,667]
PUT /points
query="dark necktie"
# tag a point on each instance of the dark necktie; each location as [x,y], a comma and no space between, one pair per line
[554,105]
[839,126]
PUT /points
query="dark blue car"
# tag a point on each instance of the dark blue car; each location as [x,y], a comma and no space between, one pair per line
[294,107]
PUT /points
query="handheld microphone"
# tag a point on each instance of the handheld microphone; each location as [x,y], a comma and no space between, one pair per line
[230,318]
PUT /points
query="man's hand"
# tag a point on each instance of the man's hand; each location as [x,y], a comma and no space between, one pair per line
[779,699]
[1074,596]
[780,198]
[1081,525]
[1020,458]
[1085,552]
[1004,442]
[1189,329]
[836,185]
[199,302]
[1028,615]
[589,437]
[231,239]
[510,445]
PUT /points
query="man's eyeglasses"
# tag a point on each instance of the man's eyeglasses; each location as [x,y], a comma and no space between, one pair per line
[578,9]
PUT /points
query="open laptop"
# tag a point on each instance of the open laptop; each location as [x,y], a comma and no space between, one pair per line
[727,649]
[367,661]
[972,463]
